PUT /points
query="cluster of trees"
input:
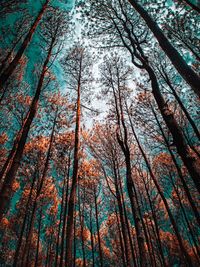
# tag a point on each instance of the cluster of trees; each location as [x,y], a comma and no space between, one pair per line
[125,190]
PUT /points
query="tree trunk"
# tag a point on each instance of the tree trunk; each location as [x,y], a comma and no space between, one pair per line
[41,182]
[189,161]
[195,242]
[185,71]
[122,219]
[185,186]
[19,242]
[129,181]
[120,238]
[155,223]
[98,228]
[173,222]
[127,224]
[81,219]
[12,66]
[92,239]
[38,239]
[194,7]
[64,217]
[72,198]
[6,191]
[60,222]
[191,121]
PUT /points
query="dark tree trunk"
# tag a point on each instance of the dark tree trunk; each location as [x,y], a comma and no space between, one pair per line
[129,181]
[185,71]
[194,7]
[189,161]
[127,224]
[92,238]
[98,228]
[185,186]
[12,66]
[62,251]
[120,239]
[74,256]
[38,239]
[41,182]
[157,234]
[6,191]
[60,222]
[72,197]
[81,219]
[19,242]
[171,217]
[122,219]
[191,121]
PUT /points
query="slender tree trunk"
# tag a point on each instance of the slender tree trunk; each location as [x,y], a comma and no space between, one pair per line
[66,199]
[72,197]
[185,71]
[157,234]
[74,258]
[60,222]
[12,66]
[173,222]
[12,152]
[194,7]
[123,143]
[120,239]
[6,191]
[121,214]
[19,242]
[191,121]
[38,240]
[9,54]
[81,219]
[185,186]
[127,224]
[98,228]
[62,251]
[132,190]
[189,161]
[92,239]
[195,241]
[147,236]
[41,182]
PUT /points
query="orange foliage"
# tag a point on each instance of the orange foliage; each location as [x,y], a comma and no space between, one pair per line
[3,138]
[79,262]
[41,143]
[4,223]
[15,186]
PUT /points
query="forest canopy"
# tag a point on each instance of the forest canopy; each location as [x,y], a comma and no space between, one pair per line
[99,133]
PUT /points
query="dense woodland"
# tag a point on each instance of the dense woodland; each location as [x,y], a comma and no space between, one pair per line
[99,133]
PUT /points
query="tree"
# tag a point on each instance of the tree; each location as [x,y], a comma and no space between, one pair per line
[13,64]
[52,33]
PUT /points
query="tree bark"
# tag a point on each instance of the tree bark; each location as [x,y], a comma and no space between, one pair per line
[19,242]
[92,239]
[194,7]
[185,186]
[98,228]
[184,70]
[122,219]
[38,239]
[6,191]
[72,197]
[12,66]
[189,161]
[171,217]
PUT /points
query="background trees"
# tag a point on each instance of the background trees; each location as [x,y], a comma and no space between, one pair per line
[109,184]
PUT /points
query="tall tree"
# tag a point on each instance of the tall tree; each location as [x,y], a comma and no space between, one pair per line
[13,64]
